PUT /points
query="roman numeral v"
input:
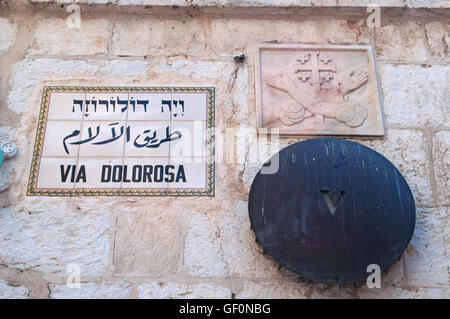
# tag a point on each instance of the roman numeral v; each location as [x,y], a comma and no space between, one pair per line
[332,206]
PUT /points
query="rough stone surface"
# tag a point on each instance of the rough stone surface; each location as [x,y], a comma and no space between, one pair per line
[293,290]
[198,69]
[92,290]
[273,290]
[283,31]
[7,34]
[401,42]
[401,293]
[202,254]
[49,240]
[416,95]
[427,4]
[174,290]
[438,38]
[54,37]
[77,1]
[427,261]
[30,72]
[158,37]
[260,3]
[12,291]
[147,250]
[441,157]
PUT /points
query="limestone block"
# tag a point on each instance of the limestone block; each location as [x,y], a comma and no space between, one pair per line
[259,3]
[93,290]
[174,290]
[441,158]
[427,262]
[148,241]
[438,37]
[327,291]
[273,290]
[27,73]
[428,3]
[75,1]
[415,95]
[7,34]
[401,293]
[203,255]
[293,290]
[198,69]
[158,37]
[255,31]
[9,290]
[400,42]
[265,3]
[54,37]
[50,239]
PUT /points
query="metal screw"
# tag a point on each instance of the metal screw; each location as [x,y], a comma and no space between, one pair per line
[9,150]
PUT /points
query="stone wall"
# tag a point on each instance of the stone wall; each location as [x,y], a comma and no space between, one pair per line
[184,247]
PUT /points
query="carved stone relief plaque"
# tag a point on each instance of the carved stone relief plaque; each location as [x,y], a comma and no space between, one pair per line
[318,90]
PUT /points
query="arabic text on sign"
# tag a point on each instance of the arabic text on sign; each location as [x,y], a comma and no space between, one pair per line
[148,138]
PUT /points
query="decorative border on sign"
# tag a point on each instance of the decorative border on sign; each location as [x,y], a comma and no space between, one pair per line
[33,190]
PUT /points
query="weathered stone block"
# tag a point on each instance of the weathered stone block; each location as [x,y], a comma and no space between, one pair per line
[49,240]
[158,37]
[7,34]
[198,69]
[29,72]
[273,290]
[223,41]
[293,290]
[93,290]
[401,293]
[415,95]
[401,42]
[174,290]
[12,291]
[438,37]
[54,37]
[148,241]
[427,4]
[326,291]
[203,255]
[441,158]
[427,263]
[74,1]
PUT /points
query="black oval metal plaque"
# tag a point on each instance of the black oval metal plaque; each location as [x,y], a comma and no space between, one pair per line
[333,208]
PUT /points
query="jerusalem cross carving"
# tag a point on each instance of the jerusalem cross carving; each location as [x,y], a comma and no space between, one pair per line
[318,90]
